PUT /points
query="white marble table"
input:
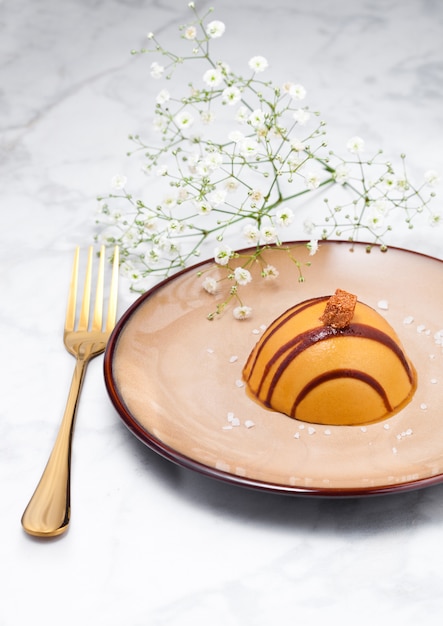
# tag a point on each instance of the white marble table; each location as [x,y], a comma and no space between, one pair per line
[149,542]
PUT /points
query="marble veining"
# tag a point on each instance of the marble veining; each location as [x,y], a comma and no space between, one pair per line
[151,543]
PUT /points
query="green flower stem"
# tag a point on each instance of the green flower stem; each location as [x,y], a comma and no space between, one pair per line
[248,174]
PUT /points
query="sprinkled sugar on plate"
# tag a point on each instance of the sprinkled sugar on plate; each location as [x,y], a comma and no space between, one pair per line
[175,379]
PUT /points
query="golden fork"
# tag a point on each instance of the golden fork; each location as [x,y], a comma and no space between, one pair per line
[48,511]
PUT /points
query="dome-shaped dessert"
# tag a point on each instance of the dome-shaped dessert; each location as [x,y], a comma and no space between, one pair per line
[331,360]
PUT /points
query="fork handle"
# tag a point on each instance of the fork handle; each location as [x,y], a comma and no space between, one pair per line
[49,509]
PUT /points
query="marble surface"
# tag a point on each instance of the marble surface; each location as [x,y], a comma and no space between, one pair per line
[149,542]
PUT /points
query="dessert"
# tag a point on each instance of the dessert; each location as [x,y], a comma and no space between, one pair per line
[331,360]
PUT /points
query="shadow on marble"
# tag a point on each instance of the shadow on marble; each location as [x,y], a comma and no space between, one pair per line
[367,515]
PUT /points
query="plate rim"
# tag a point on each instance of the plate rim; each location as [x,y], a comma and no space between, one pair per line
[182,460]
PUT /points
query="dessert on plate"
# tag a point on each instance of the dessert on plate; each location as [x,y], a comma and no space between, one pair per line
[331,360]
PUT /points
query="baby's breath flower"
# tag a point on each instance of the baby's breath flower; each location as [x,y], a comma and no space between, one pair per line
[258,64]
[297,144]
[341,174]
[268,234]
[151,225]
[202,168]
[270,272]
[213,161]
[312,180]
[183,194]
[162,170]
[217,197]
[251,233]
[435,219]
[389,181]
[242,312]
[284,216]
[242,115]
[294,163]
[255,196]
[355,145]
[301,116]
[163,96]
[249,148]
[432,178]
[167,245]
[207,117]
[257,118]
[298,92]
[230,158]
[157,70]
[190,33]
[184,119]
[212,77]
[236,136]
[159,125]
[203,207]
[224,67]
[131,272]
[222,254]
[209,284]
[153,256]
[402,183]
[375,220]
[130,237]
[215,29]
[231,185]
[175,226]
[312,246]
[170,201]
[242,276]
[308,226]
[231,95]
[380,206]
[118,181]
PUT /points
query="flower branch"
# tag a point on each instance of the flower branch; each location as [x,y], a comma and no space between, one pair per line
[236,156]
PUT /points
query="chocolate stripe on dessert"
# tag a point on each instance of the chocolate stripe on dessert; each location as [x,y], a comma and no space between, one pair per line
[279,322]
[341,373]
[297,345]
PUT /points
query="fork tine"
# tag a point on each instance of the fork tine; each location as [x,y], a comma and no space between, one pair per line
[112,307]
[98,306]
[84,313]
[72,297]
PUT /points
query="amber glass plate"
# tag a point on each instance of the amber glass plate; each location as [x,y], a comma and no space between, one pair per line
[175,378]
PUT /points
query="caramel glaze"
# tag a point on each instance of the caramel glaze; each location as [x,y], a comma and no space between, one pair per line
[298,344]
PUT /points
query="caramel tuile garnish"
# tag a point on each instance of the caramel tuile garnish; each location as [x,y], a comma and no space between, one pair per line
[339,309]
